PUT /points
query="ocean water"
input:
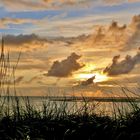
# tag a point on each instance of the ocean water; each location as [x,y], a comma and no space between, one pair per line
[71,105]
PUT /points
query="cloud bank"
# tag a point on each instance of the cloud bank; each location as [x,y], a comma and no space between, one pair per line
[22,39]
[26,5]
[32,5]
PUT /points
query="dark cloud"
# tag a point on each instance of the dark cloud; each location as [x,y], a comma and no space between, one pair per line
[65,67]
[22,39]
[115,27]
[122,67]
[88,81]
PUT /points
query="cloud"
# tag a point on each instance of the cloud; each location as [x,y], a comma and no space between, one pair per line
[34,64]
[26,5]
[114,27]
[115,36]
[122,67]
[88,81]
[99,35]
[113,2]
[32,5]
[33,50]
[37,5]
[22,39]
[60,24]
[133,0]
[136,21]
[22,5]
[133,40]
[4,22]
[35,79]
[65,67]
[25,43]
[67,2]
[19,79]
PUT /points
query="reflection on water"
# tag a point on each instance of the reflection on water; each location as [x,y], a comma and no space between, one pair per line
[102,106]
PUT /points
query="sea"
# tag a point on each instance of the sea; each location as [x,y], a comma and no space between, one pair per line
[109,106]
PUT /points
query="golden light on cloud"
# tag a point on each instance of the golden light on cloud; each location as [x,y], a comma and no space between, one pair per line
[87,72]
[89,67]
[98,77]
[83,76]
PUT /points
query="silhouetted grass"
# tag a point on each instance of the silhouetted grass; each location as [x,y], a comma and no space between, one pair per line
[56,121]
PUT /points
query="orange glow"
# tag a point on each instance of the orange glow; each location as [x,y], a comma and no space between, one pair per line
[89,67]
[89,71]
[99,77]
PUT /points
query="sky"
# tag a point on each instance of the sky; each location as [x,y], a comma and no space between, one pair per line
[81,47]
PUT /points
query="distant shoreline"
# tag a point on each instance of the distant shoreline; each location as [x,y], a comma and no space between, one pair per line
[81,98]
[99,99]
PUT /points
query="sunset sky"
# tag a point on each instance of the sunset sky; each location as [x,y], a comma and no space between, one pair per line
[65,43]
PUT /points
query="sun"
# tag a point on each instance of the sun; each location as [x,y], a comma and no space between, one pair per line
[88,72]
[99,77]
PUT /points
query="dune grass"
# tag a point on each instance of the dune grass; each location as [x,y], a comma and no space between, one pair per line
[55,122]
